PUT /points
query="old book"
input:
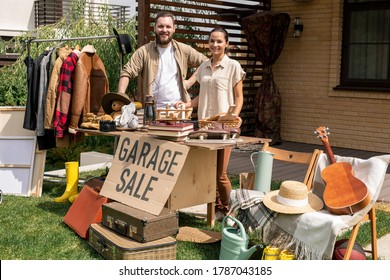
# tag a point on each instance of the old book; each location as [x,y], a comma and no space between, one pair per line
[171,127]
[173,138]
[168,132]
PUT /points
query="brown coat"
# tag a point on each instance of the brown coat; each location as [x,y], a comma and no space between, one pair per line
[51,97]
[90,84]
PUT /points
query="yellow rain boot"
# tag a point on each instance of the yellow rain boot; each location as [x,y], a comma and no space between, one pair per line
[73,198]
[72,181]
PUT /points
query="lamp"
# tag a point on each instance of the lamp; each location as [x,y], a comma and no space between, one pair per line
[298,27]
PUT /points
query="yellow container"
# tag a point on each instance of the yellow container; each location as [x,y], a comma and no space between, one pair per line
[286,255]
[273,253]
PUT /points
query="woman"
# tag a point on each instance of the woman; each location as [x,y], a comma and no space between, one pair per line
[220,80]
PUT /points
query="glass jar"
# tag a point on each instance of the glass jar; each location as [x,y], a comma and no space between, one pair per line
[149,111]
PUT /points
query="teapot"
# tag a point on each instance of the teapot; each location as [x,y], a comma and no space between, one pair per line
[235,242]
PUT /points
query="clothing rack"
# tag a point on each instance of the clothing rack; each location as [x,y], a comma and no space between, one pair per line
[65,39]
[29,41]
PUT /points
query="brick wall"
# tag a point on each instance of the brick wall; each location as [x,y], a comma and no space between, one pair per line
[305,75]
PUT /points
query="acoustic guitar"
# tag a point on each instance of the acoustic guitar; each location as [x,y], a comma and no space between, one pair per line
[344,194]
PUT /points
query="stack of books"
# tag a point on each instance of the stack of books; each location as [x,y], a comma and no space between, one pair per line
[177,131]
[140,115]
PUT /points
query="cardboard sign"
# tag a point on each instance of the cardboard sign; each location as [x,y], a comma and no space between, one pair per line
[144,171]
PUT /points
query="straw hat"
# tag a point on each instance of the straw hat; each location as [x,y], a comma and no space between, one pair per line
[111,96]
[293,198]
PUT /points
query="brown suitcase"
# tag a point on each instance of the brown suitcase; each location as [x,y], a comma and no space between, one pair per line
[114,246]
[137,224]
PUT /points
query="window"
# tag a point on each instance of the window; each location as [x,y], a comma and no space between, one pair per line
[366,45]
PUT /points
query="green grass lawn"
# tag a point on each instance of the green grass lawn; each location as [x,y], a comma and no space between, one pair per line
[32,228]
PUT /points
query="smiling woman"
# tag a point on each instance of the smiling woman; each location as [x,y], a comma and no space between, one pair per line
[221,88]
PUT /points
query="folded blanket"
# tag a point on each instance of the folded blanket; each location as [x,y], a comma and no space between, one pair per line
[251,212]
[313,235]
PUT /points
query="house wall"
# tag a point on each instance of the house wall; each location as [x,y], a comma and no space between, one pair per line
[306,73]
[17,16]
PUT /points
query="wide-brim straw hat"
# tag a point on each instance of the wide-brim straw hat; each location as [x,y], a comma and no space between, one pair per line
[111,96]
[293,198]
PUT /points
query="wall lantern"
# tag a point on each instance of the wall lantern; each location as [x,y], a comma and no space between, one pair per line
[298,27]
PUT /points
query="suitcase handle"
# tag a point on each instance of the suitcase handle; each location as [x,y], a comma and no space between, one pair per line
[102,246]
[121,226]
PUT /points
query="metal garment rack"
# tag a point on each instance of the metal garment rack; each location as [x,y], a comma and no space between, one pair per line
[67,39]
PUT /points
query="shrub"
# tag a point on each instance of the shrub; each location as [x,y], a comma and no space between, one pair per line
[77,23]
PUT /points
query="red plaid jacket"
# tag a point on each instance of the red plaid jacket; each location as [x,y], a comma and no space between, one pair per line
[65,89]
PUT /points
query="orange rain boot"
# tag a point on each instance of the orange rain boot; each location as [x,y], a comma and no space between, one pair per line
[72,181]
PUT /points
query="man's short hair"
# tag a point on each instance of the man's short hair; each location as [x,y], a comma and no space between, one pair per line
[164,14]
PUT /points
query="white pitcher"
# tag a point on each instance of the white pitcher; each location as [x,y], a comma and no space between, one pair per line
[263,170]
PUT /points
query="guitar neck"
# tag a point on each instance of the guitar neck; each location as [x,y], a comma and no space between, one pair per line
[329,152]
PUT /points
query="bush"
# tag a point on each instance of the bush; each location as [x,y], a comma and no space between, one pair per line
[77,23]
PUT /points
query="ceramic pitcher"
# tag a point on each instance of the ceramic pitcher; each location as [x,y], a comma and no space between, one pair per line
[263,170]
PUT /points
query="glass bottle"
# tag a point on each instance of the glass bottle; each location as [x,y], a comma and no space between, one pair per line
[149,112]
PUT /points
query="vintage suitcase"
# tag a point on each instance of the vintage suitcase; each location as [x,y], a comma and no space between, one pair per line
[137,224]
[86,209]
[114,246]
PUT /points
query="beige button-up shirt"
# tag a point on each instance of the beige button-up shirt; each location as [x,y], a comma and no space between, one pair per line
[216,93]
[145,62]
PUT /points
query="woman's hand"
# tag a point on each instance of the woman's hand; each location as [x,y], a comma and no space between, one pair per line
[191,80]
[188,84]
[179,104]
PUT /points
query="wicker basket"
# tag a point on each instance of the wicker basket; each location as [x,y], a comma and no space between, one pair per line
[114,246]
[215,125]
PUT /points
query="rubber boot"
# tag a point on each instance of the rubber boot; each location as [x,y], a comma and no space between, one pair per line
[72,181]
[73,198]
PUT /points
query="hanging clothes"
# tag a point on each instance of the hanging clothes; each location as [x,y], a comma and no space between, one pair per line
[90,85]
[42,92]
[45,138]
[51,96]
[29,121]
[33,72]
[65,90]
[54,56]
[50,90]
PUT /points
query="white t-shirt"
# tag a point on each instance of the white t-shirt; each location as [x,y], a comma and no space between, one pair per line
[166,86]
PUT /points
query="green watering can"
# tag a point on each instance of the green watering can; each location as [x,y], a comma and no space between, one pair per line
[235,242]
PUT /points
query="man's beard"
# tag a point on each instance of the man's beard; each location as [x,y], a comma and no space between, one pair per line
[163,42]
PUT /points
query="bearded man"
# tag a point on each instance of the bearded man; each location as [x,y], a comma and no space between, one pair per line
[162,64]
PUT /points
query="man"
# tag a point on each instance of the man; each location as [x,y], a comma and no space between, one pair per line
[163,65]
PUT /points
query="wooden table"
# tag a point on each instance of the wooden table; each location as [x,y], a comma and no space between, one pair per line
[196,183]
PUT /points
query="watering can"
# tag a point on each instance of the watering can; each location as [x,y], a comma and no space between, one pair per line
[263,170]
[235,242]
